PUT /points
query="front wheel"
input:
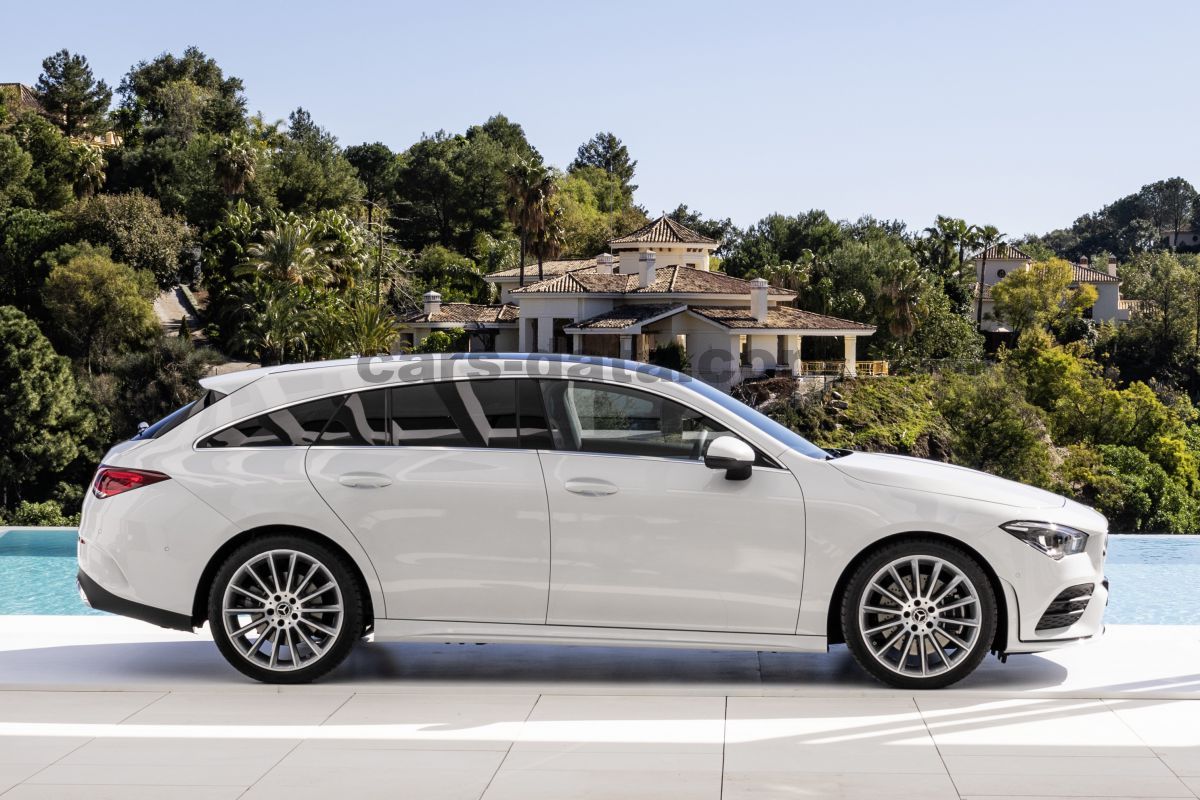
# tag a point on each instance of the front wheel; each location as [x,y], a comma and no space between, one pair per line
[284,609]
[919,614]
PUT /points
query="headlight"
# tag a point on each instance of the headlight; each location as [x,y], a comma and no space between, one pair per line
[1054,540]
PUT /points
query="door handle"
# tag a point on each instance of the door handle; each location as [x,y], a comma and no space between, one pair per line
[364,480]
[590,487]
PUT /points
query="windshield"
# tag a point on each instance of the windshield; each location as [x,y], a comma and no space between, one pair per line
[761,421]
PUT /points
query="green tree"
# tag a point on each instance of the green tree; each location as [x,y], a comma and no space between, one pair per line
[530,184]
[15,165]
[41,423]
[355,327]
[605,152]
[454,276]
[1041,296]
[50,182]
[154,381]
[173,94]
[453,340]
[310,172]
[71,95]
[137,232]
[237,158]
[25,236]
[274,324]
[99,309]
[287,253]
[375,165]
[89,169]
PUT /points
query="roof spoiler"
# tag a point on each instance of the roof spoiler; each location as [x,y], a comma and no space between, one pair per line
[230,382]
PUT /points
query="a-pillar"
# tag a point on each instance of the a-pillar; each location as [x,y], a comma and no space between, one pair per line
[545,334]
[851,343]
[627,348]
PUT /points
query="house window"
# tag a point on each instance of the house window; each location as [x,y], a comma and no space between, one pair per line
[1000,273]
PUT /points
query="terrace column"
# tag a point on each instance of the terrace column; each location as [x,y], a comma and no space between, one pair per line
[627,348]
[851,343]
[795,343]
[525,335]
[577,344]
[545,334]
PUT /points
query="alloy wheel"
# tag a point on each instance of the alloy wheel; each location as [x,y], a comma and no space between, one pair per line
[282,610]
[920,616]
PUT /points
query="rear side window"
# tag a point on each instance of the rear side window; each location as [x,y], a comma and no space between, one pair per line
[293,426]
[360,421]
[500,413]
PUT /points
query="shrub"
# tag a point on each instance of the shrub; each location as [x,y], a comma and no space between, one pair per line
[47,513]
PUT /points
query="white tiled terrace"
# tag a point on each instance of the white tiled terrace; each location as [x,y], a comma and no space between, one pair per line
[98,707]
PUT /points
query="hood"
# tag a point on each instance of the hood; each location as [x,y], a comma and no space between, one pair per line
[903,472]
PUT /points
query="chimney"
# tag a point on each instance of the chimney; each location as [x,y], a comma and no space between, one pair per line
[433,302]
[604,264]
[646,273]
[758,299]
[1083,261]
[1112,266]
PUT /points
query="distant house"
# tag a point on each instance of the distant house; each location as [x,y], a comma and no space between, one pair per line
[20,97]
[1003,259]
[1183,240]
[654,287]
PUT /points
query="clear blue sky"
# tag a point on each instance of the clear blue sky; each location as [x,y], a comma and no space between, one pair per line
[1020,114]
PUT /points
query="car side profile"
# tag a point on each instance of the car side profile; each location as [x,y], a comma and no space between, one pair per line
[535,498]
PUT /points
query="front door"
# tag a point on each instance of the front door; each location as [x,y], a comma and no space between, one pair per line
[442,485]
[645,536]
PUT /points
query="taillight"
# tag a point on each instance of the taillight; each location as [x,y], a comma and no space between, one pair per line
[115,480]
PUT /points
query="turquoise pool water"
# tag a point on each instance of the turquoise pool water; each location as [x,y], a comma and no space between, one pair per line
[1155,580]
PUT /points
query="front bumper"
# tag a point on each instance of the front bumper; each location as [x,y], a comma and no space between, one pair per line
[101,599]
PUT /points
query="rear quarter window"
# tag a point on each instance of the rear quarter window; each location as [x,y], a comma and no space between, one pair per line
[293,426]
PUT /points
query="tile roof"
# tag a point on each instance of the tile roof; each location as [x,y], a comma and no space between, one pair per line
[624,316]
[1002,251]
[779,317]
[674,279]
[467,313]
[1086,274]
[549,268]
[663,230]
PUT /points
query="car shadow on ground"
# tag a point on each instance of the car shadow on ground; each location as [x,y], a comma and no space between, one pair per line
[186,664]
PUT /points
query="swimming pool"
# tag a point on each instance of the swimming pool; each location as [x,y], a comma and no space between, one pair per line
[1155,580]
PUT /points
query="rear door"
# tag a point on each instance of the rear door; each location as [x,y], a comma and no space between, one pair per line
[442,485]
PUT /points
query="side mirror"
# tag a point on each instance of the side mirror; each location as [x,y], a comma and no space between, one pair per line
[732,455]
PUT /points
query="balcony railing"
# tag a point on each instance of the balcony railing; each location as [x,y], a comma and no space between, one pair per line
[864,369]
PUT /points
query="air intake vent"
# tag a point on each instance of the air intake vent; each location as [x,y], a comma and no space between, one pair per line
[1067,608]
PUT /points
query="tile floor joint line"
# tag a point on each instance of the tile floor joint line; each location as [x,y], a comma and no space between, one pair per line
[1107,703]
[724,741]
[508,750]
[936,749]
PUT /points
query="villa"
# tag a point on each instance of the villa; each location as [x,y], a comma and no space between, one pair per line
[655,287]
[1001,259]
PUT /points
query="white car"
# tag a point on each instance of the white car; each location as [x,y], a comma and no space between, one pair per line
[533,498]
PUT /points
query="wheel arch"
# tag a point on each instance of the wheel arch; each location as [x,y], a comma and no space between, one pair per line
[200,601]
[836,635]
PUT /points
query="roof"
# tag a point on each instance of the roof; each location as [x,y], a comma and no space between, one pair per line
[466,313]
[664,230]
[1086,274]
[549,268]
[781,317]
[673,279]
[625,316]
[1002,251]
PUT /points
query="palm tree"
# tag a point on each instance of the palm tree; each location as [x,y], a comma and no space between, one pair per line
[530,183]
[794,275]
[549,236]
[274,324]
[89,170]
[985,237]
[236,159]
[368,328]
[900,298]
[287,253]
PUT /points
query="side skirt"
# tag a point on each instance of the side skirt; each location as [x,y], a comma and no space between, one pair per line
[400,630]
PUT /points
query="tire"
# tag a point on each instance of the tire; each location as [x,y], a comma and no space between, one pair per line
[924,639]
[284,609]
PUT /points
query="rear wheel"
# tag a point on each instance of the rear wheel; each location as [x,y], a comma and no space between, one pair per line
[283,609]
[919,614]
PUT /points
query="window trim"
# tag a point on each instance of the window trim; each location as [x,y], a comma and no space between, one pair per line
[773,463]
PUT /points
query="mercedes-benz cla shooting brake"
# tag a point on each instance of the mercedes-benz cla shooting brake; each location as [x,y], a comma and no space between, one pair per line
[297,509]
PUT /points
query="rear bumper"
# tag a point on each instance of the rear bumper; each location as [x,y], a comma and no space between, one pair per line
[101,599]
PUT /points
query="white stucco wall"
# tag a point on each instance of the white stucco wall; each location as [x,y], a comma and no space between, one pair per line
[1106,308]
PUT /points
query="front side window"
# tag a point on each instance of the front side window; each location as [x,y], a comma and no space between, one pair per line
[294,426]
[601,418]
